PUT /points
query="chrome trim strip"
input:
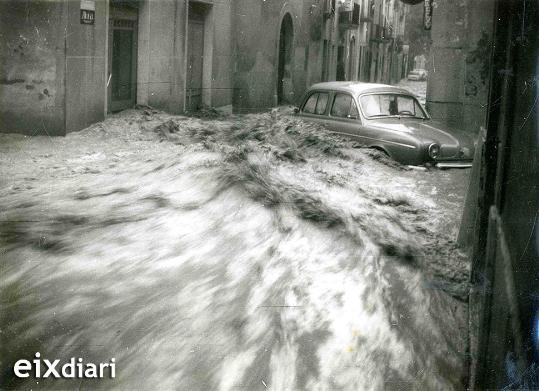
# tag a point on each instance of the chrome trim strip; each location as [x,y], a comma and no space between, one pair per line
[454,165]
[376,139]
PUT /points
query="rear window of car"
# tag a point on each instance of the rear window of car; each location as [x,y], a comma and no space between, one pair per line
[316,103]
[343,106]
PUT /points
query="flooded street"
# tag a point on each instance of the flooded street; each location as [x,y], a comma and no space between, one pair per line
[233,253]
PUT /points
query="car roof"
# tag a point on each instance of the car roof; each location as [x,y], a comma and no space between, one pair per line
[357,88]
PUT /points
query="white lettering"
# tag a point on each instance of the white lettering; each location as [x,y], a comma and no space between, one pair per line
[112,368]
[22,365]
[91,371]
[71,367]
[74,368]
[80,369]
[38,364]
[101,367]
[51,368]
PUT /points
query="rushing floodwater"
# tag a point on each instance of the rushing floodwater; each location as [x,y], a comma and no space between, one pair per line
[258,256]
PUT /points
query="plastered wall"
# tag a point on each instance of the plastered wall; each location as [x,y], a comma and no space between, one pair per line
[32,57]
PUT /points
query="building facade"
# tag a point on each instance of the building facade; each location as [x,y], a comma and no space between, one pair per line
[504,301]
[65,64]
[459,63]
[366,41]
[275,58]
[283,47]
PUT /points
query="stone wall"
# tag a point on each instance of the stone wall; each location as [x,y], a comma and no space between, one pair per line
[53,68]
[32,58]
[458,65]
[256,38]
[85,65]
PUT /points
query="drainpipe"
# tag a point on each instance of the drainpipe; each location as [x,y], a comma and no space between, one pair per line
[106,55]
[331,21]
[185,42]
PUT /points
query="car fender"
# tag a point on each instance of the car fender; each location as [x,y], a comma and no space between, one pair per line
[401,146]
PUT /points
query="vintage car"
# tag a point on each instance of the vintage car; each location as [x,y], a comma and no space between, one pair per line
[386,118]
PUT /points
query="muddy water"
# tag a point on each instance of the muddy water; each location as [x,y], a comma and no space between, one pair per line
[254,255]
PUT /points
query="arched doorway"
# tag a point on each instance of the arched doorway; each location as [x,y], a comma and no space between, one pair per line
[284,73]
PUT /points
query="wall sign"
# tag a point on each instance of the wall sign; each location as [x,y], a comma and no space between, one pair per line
[87,11]
[427,14]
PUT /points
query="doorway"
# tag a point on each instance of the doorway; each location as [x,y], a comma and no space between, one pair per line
[195,56]
[284,73]
[351,59]
[325,55]
[122,59]
[341,71]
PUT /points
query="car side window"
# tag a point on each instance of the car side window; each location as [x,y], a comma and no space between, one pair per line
[322,103]
[344,106]
[310,106]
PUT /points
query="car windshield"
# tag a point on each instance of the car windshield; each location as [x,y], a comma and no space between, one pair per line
[391,105]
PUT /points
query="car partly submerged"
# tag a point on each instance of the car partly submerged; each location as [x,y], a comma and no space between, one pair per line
[387,118]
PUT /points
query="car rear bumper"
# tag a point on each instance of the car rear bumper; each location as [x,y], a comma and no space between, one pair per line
[461,164]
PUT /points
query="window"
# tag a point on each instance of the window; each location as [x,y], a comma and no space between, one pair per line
[344,106]
[310,105]
[322,103]
[385,105]
[316,104]
[405,105]
[418,111]
[353,109]
[355,15]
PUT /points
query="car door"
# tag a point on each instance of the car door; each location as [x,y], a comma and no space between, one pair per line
[343,116]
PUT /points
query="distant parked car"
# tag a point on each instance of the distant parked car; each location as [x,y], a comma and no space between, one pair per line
[386,118]
[418,75]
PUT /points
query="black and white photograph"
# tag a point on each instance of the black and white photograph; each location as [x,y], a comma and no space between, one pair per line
[269,195]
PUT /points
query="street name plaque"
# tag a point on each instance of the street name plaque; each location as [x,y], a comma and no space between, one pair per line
[87,11]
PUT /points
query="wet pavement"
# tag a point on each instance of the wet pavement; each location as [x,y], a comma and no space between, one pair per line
[242,253]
